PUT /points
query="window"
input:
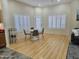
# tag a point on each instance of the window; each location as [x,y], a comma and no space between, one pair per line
[26,22]
[53,22]
[38,22]
[17,23]
[50,21]
[22,22]
[63,21]
[57,22]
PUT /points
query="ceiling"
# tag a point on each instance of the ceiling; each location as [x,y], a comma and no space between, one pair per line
[41,3]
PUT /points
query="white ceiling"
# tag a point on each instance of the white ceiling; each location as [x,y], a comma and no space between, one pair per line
[44,2]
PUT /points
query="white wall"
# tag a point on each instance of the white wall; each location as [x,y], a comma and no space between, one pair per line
[0,5]
[68,9]
[5,19]
[75,7]
[55,10]
[20,9]
[1,18]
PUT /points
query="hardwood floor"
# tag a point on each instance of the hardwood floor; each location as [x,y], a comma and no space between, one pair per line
[51,47]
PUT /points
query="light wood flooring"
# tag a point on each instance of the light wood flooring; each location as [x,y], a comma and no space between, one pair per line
[51,47]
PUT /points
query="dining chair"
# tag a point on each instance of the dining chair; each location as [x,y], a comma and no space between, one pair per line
[42,32]
[12,35]
[35,35]
[26,34]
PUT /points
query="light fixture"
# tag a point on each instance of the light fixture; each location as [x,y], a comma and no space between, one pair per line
[58,0]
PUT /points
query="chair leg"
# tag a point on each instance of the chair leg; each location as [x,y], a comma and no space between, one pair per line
[25,37]
[42,36]
[30,36]
[15,39]
[12,40]
[38,37]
